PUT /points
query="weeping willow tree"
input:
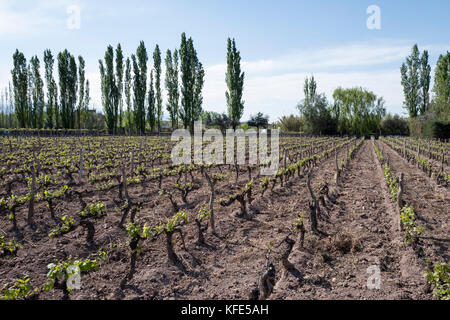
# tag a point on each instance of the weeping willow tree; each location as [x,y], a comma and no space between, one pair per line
[359,111]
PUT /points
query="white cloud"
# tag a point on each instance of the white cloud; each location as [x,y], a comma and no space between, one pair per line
[31,17]
[275,86]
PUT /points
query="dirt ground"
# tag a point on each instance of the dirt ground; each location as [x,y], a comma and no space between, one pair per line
[359,236]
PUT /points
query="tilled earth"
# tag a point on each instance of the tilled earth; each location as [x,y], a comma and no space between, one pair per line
[360,252]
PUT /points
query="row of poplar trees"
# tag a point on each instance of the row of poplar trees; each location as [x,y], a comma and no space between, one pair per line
[62,105]
[416,80]
[130,104]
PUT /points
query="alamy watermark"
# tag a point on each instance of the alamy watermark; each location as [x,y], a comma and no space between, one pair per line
[374,20]
[374,280]
[235,145]
[73,21]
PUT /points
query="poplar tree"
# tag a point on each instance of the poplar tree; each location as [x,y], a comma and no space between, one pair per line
[192,78]
[441,87]
[51,88]
[171,82]
[67,71]
[157,68]
[87,101]
[73,91]
[119,77]
[109,89]
[127,87]
[151,112]
[411,82]
[37,94]
[235,84]
[81,93]
[20,87]
[140,85]
[425,71]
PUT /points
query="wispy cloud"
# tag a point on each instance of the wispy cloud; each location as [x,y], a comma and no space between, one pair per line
[31,17]
[274,86]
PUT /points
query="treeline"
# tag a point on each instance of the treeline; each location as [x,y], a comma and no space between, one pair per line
[124,82]
[55,105]
[355,111]
[131,94]
[429,113]
[130,105]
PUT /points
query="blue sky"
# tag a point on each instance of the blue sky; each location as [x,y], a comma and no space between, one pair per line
[281,42]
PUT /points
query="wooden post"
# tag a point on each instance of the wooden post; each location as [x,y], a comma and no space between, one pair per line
[404,148]
[80,176]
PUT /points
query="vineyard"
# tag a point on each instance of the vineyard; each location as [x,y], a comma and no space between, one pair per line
[112,217]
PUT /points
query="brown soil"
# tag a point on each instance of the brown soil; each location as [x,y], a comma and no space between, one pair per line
[358,231]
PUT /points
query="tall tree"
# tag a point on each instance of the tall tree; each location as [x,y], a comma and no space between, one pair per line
[157,68]
[37,94]
[360,110]
[81,93]
[51,84]
[441,87]
[425,78]
[109,90]
[258,120]
[314,109]
[119,77]
[140,85]
[235,84]
[87,101]
[127,86]
[67,71]
[151,112]
[11,106]
[73,91]
[20,85]
[411,82]
[192,78]
[172,86]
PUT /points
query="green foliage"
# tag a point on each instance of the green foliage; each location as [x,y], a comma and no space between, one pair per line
[299,222]
[151,105]
[67,75]
[314,110]
[171,82]
[411,83]
[110,91]
[192,80]
[435,129]
[291,123]
[439,278]
[65,226]
[441,88]
[37,94]
[358,111]
[258,120]
[158,98]
[133,229]
[139,62]
[235,84]
[52,109]
[394,125]
[21,289]
[391,181]
[408,219]
[9,247]
[59,270]
[204,212]
[265,182]
[217,120]
[96,209]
